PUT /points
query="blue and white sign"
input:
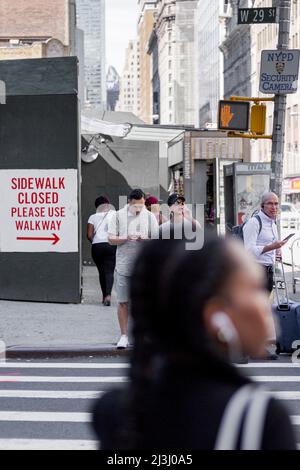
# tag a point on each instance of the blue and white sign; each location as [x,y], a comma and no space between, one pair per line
[279,71]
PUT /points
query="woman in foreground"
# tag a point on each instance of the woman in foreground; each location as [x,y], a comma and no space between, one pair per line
[192,312]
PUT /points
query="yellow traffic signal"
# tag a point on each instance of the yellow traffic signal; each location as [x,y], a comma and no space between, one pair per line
[258,119]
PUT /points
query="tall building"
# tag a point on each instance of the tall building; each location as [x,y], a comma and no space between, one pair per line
[165,32]
[112,88]
[242,60]
[174,31]
[209,34]
[91,19]
[155,79]
[145,28]
[129,100]
[35,28]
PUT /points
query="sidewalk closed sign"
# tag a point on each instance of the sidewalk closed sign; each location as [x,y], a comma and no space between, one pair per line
[39,211]
[279,71]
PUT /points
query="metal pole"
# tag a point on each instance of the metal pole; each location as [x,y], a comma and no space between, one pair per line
[280,105]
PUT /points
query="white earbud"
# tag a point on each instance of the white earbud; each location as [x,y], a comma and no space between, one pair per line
[226,330]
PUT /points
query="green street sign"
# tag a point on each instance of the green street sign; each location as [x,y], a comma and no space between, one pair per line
[257,15]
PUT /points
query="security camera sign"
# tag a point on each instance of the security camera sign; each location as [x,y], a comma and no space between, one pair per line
[279,71]
[39,211]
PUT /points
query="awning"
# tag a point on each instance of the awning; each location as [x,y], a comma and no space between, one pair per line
[95,126]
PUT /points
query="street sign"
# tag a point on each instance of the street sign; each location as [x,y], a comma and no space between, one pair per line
[279,71]
[39,211]
[233,115]
[257,15]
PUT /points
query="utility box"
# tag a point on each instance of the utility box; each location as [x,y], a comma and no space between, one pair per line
[244,185]
[40,255]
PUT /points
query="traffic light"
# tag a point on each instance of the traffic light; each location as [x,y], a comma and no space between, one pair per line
[233,115]
[258,119]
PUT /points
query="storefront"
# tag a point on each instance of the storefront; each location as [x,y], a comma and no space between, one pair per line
[196,168]
[291,190]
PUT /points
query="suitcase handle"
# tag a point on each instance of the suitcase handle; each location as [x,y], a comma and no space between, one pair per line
[286,305]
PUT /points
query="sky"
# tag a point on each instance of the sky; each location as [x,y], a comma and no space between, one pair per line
[121,25]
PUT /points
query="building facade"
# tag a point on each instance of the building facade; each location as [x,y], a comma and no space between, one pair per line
[174,32]
[184,73]
[145,28]
[129,100]
[209,34]
[155,79]
[242,61]
[37,28]
[91,20]
[112,88]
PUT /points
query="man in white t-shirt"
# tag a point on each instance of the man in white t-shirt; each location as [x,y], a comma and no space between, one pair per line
[127,229]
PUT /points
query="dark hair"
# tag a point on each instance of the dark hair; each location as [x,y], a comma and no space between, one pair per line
[168,327]
[136,194]
[173,198]
[101,200]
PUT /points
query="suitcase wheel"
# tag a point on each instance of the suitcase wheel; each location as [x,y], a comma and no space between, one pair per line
[278,349]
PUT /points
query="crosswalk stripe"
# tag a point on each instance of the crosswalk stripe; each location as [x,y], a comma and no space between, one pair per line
[77,379]
[47,444]
[281,395]
[62,365]
[275,378]
[43,416]
[295,420]
[270,365]
[53,394]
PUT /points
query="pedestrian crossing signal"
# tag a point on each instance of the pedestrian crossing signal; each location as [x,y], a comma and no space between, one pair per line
[258,119]
[233,115]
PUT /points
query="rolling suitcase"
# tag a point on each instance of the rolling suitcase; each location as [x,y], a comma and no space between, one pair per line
[286,315]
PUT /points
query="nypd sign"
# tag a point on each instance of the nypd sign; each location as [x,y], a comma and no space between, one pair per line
[279,71]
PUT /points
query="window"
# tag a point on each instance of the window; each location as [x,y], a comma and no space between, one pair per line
[170,64]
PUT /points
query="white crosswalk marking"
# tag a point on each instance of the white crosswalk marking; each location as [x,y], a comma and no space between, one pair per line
[47,417]
[79,379]
[42,403]
[47,405]
[64,365]
[57,394]
[47,444]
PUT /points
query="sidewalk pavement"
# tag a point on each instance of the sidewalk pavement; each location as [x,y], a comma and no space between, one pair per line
[46,329]
[41,330]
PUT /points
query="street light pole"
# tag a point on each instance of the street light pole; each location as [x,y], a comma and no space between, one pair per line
[280,105]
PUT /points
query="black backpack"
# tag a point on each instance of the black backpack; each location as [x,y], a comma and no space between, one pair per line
[237,230]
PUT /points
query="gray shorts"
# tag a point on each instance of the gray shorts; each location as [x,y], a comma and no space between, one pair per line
[122,288]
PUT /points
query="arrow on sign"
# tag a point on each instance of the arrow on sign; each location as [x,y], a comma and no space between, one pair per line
[54,238]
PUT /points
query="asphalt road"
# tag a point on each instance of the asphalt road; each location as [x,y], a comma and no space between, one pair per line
[47,405]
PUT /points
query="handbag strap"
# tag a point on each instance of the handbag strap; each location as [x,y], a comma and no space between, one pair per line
[255,421]
[101,222]
[252,401]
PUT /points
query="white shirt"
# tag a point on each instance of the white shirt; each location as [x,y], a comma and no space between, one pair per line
[122,224]
[255,242]
[100,221]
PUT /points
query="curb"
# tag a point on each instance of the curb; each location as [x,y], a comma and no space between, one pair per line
[64,351]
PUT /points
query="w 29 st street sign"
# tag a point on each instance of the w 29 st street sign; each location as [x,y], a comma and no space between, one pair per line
[257,15]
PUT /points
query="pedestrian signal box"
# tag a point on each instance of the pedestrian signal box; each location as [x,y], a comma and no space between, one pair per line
[258,119]
[233,115]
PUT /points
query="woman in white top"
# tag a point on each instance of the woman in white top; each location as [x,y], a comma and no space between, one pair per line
[103,254]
